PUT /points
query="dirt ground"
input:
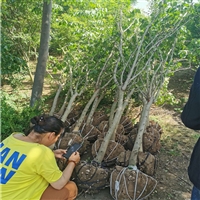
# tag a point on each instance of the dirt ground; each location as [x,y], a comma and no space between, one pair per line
[177,144]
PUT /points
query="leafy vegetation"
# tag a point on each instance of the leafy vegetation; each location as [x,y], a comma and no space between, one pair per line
[16,115]
[95,42]
[20,37]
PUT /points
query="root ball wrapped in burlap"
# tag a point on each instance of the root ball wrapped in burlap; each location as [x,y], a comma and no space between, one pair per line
[112,151]
[130,184]
[121,139]
[151,138]
[146,162]
[127,124]
[89,132]
[104,126]
[89,178]
[98,117]
[63,142]
[61,163]
[123,158]
[131,139]
[73,116]
[119,135]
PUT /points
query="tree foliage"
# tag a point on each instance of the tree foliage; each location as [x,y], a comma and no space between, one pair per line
[84,33]
[20,35]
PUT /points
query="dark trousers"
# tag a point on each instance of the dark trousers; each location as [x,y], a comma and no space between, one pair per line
[195,194]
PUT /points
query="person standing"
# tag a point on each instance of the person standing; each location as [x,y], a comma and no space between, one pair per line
[190,117]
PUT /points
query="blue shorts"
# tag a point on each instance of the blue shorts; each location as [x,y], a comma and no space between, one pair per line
[195,194]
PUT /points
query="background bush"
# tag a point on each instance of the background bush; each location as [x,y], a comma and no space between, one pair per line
[15,118]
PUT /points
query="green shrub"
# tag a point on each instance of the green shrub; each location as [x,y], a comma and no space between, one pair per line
[15,116]
[165,96]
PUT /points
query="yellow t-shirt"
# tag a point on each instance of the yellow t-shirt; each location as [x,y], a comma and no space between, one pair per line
[26,169]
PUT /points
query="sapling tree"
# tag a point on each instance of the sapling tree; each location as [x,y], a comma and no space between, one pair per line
[125,74]
[151,54]
[55,101]
[100,84]
[83,22]
[156,48]
[153,79]
[158,58]
[95,104]
[78,82]
[62,108]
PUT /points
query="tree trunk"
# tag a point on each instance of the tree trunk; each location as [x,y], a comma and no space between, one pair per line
[43,53]
[80,120]
[62,109]
[142,126]
[113,108]
[94,107]
[53,108]
[69,107]
[112,127]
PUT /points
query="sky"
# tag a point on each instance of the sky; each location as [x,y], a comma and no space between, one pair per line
[142,4]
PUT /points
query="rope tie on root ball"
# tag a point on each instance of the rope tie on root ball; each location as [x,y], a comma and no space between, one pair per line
[91,178]
[130,183]
[112,152]
[85,137]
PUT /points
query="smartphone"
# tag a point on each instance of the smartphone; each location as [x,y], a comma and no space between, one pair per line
[75,147]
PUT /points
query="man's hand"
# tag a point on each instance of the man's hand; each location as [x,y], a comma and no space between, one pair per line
[59,152]
[75,157]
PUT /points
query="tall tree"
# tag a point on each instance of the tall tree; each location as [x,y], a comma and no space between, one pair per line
[43,53]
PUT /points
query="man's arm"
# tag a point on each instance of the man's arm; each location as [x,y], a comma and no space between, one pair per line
[191,112]
[60,183]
